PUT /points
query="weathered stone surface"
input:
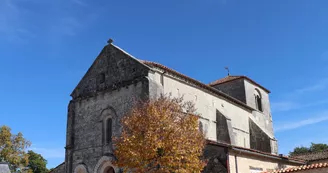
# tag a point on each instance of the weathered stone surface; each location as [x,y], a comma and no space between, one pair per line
[112,69]
[110,88]
[116,81]
[258,139]
[88,128]
[217,159]
[235,89]
[222,131]
[59,169]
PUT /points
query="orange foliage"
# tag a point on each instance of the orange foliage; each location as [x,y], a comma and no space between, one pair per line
[158,137]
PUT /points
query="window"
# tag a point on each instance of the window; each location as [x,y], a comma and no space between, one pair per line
[109,130]
[258,100]
[108,119]
[259,103]
[162,79]
[101,78]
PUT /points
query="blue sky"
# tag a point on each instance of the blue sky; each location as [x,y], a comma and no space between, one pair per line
[47,46]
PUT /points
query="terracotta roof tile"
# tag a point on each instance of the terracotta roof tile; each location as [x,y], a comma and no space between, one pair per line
[300,168]
[313,156]
[196,82]
[224,80]
[232,78]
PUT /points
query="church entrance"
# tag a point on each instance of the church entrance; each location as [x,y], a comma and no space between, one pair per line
[109,170]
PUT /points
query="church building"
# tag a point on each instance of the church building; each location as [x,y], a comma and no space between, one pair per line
[235,115]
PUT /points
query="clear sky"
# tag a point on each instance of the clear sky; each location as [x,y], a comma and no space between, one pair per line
[46,46]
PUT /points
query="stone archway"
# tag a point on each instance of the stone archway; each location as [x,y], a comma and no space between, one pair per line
[109,170]
[81,168]
[105,165]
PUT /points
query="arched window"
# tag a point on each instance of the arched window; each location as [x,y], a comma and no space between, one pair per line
[108,117]
[109,130]
[258,100]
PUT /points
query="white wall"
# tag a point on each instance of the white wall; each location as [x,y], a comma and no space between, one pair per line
[249,164]
[262,119]
[250,99]
[206,105]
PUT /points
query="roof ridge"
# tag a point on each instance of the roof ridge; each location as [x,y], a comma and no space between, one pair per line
[198,83]
[235,77]
[310,153]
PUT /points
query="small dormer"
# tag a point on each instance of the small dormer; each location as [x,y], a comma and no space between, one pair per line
[245,90]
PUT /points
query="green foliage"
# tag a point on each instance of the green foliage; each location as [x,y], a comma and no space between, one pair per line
[318,147]
[12,149]
[299,150]
[37,164]
[312,149]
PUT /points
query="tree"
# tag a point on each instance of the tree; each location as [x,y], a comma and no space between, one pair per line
[12,148]
[318,147]
[299,150]
[312,149]
[37,164]
[158,137]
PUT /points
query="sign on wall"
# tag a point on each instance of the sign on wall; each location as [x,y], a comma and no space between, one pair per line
[255,169]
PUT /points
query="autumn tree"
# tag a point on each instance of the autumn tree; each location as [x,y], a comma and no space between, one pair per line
[162,136]
[37,164]
[12,149]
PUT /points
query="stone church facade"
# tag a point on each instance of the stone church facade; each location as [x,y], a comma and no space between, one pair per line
[235,115]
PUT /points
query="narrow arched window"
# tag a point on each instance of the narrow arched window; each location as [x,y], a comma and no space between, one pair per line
[258,100]
[108,130]
[259,103]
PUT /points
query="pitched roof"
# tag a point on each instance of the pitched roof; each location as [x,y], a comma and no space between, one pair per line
[313,156]
[232,78]
[196,82]
[253,151]
[57,167]
[300,168]
[4,168]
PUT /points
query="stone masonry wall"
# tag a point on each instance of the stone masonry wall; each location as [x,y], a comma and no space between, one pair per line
[235,89]
[88,145]
[112,69]
[111,86]
[59,169]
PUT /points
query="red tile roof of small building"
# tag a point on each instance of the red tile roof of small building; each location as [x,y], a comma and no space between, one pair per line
[232,78]
[300,168]
[222,144]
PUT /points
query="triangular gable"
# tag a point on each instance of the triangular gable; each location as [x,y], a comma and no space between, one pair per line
[112,67]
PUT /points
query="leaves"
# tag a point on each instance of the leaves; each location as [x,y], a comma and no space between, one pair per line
[161,135]
[313,148]
[37,164]
[12,148]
